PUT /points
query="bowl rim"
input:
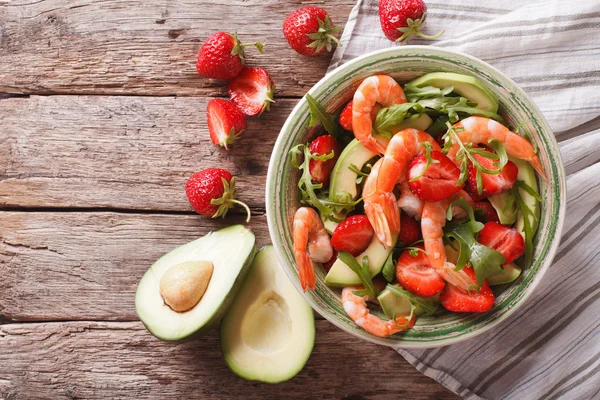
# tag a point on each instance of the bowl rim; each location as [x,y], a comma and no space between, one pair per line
[561,182]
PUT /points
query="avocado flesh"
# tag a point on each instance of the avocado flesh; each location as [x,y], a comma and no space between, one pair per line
[417,121]
[343,179]
[466,86]
[230,250]
[527,175]
[498,201]
[398,305]
[512,272]
[340,274]
[269,332]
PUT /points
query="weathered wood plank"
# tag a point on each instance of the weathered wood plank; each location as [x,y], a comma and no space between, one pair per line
[85,266]
[123,152]
[145,48]
[122,361]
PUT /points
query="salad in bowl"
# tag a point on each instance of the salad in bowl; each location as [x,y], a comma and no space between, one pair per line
[418,206]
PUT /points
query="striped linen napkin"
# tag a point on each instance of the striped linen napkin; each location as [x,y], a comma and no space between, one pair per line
[550,347]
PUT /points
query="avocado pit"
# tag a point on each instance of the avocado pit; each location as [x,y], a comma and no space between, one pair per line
[183,285]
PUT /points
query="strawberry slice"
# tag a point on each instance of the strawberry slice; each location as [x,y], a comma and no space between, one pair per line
[487,210]
[454,299]
[503,239]
[492,184]
[436,182]
[410,230]
[252,91]
[321,170]
[416,275]
[346,116]
[225,122]
[353,235]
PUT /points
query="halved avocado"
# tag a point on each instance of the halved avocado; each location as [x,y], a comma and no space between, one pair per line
[341,275]
[464,85]
[230,251]
[269,332]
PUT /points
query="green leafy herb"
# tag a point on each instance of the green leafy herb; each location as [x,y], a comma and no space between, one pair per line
[389,268]
[438,126]
[362,173]
[414,251]
[500,150]
[462,106]
[408,317]
[363,272]
[485,261]
[389,117]
[309,189]
[527,213]
[415,93]
[319,113]
[430,160]
[425,303]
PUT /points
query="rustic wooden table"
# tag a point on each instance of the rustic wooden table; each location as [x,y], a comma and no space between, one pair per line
[102,120]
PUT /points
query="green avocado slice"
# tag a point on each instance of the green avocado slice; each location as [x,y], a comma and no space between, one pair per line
[269,332]
[230,250]
[467,86]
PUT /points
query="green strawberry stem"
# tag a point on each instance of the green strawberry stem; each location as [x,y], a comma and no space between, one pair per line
[323,37]
[227,200]
[238,48]
[414,28]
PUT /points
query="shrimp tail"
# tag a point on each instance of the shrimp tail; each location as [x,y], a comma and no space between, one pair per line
[306,271]
[384,215]
[537,165]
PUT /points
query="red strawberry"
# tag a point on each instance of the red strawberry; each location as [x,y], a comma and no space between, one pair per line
[321,170]
[438,181]
[410,231]
[211,192]
[252,91]
[327,265]
[492,184]
[222,56]
[346,116]
[353,235]
[225,122]
[416,275]
[503,239]
[454,299]
[309,31]
[402,19]
[489,212]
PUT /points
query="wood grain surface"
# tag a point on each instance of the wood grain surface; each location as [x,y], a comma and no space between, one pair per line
[93,360]
[102,120]
[123,152]
[147,48]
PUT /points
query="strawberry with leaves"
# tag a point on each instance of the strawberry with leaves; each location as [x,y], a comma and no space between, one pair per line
[309,31]
[222,56]
[403,19]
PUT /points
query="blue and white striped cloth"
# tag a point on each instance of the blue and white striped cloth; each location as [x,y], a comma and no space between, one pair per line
[550,348]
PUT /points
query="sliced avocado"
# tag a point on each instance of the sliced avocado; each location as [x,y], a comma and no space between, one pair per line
[341,275]
[343,180]
[512,272]
[398,305]
[417,121]
[230,252]
[467,86]
[527,175]
[330,225]
[269,331]
[498,201]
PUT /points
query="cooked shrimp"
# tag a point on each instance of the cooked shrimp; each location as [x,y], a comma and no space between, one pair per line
[311,243]
[410,202]
[433,221]
[480,130]
[382,89]
[380,202]
[356,308]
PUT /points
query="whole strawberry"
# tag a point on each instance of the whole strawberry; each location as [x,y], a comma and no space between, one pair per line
[226,122]
[402,19]
[222,56]
[309,31]
[211,192]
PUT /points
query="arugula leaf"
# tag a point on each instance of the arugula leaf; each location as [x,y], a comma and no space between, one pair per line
[415,93]
[462,105]
[426,303]
[308,189]
[362,271]
[361,175]
[319,113]
[526,212]
[389,268]
[389,117]
[438,126]
[500,150]
[485,261]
